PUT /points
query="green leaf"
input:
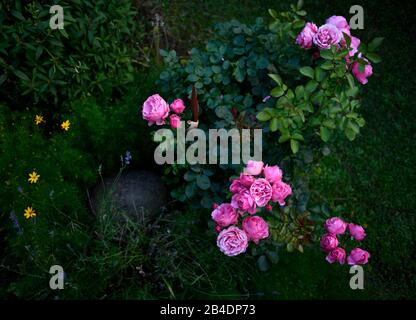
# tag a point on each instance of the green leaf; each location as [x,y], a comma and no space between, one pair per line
[319,74]
[307,71]
[347,39]
[273,124]
[327,65]
[311,86]
[263,116]
[350,134]
[277,92]
[326,54]
[203,182]
[21,75]
[375,43]
[284,137]
[297,136]
[351,80]
[190,190]
[373,57]
[273,256]
[276,78]
[273,13]
[192,78]
[262,263]
[3,78]
[294,145]
[189,176]
[325,133]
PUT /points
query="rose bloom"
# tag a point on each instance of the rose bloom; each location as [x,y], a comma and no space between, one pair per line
[362,76]
[305,37]
[329,242]
[246,180]
[272,174]
[236,186]
[232,241]
[256,228]
[177,106]
[253,168]
[244,202]
[355,43]
[155,110]
[224,215]
[336,255]
[356,231]
[335,225]
[175,121]
[340,22]
[280,191]
[358,256]
[261,191]
[327,35]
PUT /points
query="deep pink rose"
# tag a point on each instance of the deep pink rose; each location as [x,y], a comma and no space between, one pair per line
[358,256]
[329,242]
[175,121]
[356,231]
[244,202]
[362,76]
[261,191]
[327,35]
[232,241]
[335,225]
[272,174]
[177,106]
[280,191]
[256,228]
[246,180]
[336,255]
[236,186]
[340,22]
[155,110]
[224,215]
[253,168]
[305,37]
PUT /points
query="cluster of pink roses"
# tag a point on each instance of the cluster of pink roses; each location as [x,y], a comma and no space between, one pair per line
[156,110]
[250,191]
[329,242]
[329,34]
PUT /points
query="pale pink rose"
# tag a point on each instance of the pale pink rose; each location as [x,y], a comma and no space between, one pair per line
[362,76]
[246,180]
[329,242]
[177,106]
[336,255]
[224,215]
[356,231]
[232,241]
[253,168]
[327,35]
[340,22]
[358,256]
[335,225]
[155,110]
[273,173]
[355,43]
[280,191]
[256,228]
[305,37]
[244,202]
[175,121]
[261,191]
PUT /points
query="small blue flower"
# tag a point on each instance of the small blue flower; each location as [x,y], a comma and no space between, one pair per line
[128,158]
[266,98]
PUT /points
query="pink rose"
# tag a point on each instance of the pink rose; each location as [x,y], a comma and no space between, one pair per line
[340,22]
[336,255]
[232,241]
[175,121]
[246,180]
[280,191]
[236,186]
[177,106]
[272,174]
[244,202]
[261,191]
[155,110]
[355,43]
[356,231]
[362,76]
[224,215]
[256,228]
[253,168]
[305,37]
[335,225]
[358,256]
[327,35]
[329,242]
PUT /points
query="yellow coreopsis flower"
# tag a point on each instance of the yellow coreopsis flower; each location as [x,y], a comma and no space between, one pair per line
[29,213]
[33,177]
[39,119]
[65,125]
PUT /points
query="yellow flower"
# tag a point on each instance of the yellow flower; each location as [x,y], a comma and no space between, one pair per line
[33,177]
[39,119]
[29,213]
[65,125]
